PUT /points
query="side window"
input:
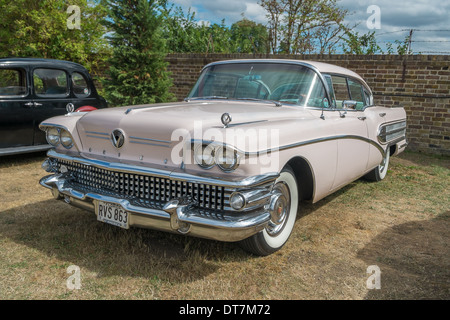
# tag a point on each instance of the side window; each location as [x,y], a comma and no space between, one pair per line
[12,82]
[340,90]
[50,82]
[330,89]
[356,92]
[80,86]
[316,96]
[367,98]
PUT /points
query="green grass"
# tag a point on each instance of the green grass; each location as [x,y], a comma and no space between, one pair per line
[401,224]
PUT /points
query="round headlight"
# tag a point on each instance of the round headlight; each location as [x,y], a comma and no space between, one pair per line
[66,139]
[227,159]
[52,136]
[237,201]
[204,156]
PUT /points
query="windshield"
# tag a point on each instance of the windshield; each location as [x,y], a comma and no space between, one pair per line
[285,83]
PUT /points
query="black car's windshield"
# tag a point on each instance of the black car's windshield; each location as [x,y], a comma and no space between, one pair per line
[280,82]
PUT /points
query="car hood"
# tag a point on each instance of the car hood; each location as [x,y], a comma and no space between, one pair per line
[152,132]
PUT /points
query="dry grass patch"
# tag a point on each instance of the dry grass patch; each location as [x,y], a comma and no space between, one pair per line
[400,224]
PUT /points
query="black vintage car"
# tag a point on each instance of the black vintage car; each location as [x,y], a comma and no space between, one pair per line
[32,90]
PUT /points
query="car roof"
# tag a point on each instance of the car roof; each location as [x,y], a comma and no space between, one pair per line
[39,61]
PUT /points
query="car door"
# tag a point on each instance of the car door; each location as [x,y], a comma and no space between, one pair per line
[16,120]
[350,128]
[51,96]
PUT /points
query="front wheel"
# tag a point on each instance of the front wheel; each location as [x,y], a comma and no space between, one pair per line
[283,216]
[379,173]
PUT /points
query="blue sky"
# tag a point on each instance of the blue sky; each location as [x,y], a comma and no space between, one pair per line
[429,18]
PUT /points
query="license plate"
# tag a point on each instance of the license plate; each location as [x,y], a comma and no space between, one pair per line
[113,214]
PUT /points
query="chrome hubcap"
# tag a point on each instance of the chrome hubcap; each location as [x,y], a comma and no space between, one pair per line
[279,209]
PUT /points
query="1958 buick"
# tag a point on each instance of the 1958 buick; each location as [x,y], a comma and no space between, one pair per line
[235,160]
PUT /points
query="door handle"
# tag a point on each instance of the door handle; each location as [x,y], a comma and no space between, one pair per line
[29,104]
[37,104]
[362,118]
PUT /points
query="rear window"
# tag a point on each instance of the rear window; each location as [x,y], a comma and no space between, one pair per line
[12,82]
[80,87]
[50,82]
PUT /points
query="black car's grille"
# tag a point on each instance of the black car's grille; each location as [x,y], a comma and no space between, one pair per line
[145,187]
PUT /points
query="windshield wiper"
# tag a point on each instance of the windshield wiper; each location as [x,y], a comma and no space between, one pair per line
[205,98]
[277,103]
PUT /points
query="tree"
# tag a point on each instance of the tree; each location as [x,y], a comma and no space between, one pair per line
[293,24]
[249,37]
[353,43]
[38,28]
[137,72]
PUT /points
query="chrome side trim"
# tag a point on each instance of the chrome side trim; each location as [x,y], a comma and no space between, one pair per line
[299,144]
[396,128]
[148,139]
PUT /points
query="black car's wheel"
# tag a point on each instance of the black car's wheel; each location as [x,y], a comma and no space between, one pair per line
[279,228]
[379,173]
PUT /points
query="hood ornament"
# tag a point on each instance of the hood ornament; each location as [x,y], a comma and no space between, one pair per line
[117,138]
[226,119]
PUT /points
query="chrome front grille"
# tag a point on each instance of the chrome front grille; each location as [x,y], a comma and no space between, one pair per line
[147,188]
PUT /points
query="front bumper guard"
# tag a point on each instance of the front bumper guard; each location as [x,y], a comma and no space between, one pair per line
[177,215]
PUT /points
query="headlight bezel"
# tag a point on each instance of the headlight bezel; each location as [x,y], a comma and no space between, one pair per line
[199,151]
[57,135]
[67,136]
[216,153]
[226,166]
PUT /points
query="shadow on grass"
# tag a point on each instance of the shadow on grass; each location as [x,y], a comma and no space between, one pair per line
[76,237]
[414,260]
[22,159]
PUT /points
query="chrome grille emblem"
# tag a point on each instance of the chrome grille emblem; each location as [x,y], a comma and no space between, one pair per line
[117,138]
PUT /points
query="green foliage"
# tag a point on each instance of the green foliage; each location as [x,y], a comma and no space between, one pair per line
[249,37]
[364,44]
[137,68]
[186,35]
[38,28]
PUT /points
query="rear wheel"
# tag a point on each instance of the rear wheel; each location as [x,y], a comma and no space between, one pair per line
[379,173]
[284,213]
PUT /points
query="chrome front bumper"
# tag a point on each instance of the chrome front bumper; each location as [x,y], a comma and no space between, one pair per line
[178,215]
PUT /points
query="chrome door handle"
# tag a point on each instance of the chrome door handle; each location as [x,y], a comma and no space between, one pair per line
[37,104]
[29,104]
[362,118]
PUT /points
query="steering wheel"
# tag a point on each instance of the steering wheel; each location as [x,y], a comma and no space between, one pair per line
[293,97]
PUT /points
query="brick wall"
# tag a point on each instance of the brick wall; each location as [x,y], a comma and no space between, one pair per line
[419,83]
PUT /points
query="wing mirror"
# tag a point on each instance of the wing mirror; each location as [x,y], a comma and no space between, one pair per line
[347,104]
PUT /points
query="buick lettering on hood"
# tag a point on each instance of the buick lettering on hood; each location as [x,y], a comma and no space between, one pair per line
[235,160]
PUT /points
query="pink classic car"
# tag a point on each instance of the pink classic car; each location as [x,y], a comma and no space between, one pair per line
[235,160]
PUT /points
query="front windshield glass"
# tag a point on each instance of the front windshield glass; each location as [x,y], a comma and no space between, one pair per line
[285,83]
